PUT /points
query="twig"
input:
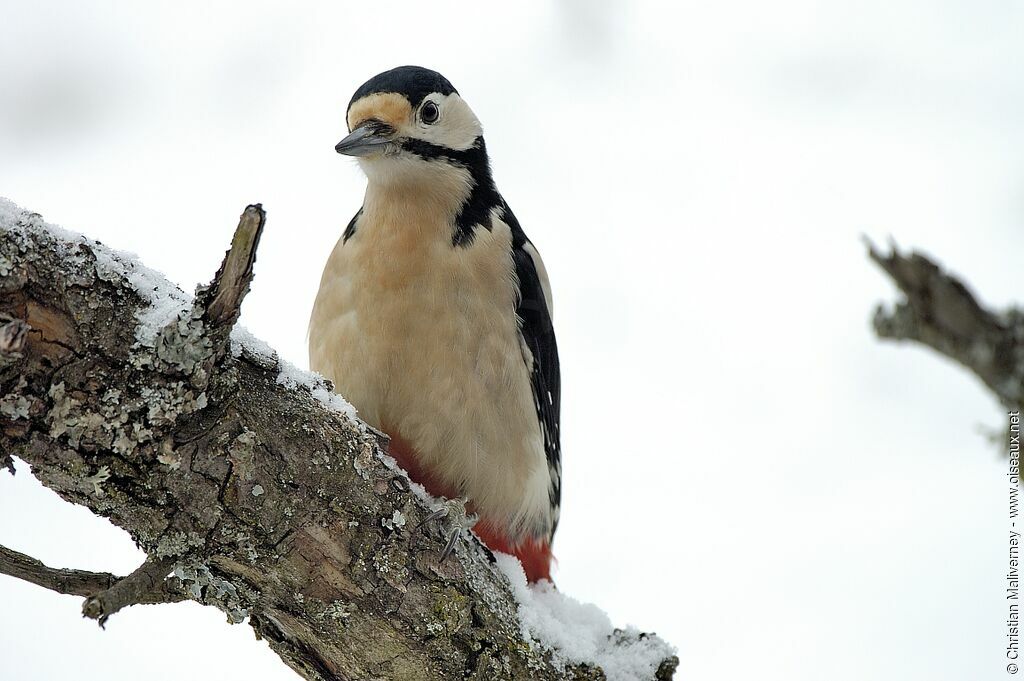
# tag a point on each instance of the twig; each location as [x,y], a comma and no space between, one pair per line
[106,593]
[941,313]
[148,584]
[61,580]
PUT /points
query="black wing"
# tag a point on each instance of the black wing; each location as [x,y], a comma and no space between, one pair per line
[539,336]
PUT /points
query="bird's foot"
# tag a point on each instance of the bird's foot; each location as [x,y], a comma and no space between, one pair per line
[460,521]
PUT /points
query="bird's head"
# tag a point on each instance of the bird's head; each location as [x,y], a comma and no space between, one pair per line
[409,124]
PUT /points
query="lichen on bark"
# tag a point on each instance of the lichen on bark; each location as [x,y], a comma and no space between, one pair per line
[252,493]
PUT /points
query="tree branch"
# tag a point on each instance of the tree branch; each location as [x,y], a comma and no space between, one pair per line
[147,584]
[244,478]
[940,312]
[61,580]
[106,593]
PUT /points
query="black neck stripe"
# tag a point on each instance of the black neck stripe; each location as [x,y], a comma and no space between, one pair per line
[483,197]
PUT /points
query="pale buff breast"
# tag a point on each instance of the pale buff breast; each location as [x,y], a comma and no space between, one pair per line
[422,338]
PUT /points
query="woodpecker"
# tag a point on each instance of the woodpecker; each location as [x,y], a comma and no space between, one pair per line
[433,316]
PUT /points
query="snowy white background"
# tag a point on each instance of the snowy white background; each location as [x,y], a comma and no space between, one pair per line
[747,471]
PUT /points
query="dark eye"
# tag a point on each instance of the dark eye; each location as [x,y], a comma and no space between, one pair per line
[429,113]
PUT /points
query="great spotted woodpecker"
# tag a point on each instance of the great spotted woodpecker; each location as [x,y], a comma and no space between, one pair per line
[434,315]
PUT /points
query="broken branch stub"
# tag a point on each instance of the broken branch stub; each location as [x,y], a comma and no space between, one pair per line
[221,300]
[147,584]
[198,338]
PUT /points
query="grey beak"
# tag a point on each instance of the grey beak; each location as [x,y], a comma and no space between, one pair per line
[363,141]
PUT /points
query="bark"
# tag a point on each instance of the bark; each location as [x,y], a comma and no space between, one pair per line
[247,493]
[938,311]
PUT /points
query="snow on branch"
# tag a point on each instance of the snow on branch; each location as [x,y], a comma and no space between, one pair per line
[251,486]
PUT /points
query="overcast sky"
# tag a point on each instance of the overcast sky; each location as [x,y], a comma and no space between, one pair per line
[747,471]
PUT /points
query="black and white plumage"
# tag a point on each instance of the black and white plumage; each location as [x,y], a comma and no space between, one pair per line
[534,312]
[434,314]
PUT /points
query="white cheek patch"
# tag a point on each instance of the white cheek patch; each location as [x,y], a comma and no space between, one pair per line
[457,126]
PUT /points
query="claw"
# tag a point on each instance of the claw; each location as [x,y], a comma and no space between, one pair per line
[459,520]
[453,539]
[436,515]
